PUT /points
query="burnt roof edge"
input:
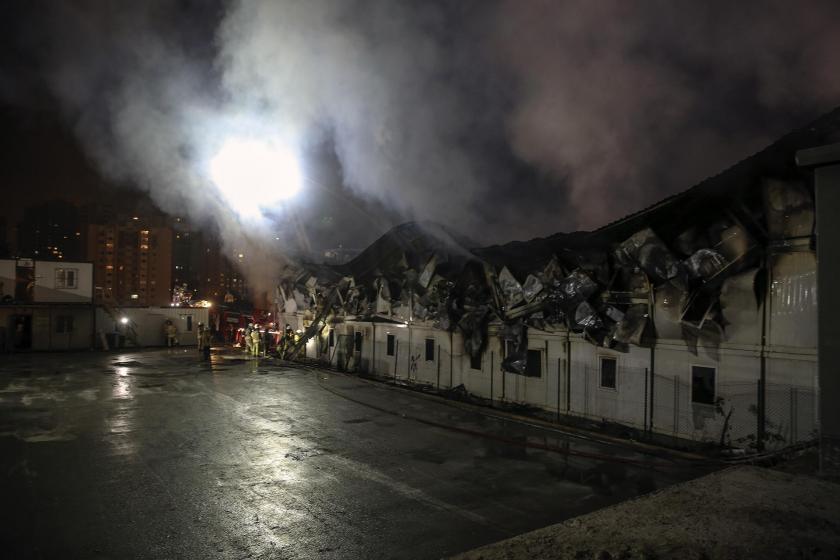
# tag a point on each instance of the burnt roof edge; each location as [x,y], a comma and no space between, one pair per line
[820,155]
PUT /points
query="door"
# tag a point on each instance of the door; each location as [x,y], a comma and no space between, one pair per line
[22,332]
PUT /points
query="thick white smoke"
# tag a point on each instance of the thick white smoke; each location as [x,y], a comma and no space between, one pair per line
[159,120]
[619,103]
[367,74]
[630,102]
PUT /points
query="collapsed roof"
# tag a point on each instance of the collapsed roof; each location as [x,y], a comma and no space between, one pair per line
[679,253]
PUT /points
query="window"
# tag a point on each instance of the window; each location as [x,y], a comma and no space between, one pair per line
[66,278]
[533,364]
[475,362]
[189,322]
[609,367]
[703,384]
[357,341]
[332,338]
[64,324]
[390,345]
[430,349]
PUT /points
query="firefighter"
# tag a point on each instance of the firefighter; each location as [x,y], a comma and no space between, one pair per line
[171,332]
[200,337]
[255,341]
[205,341]
[287,340]
[247,338]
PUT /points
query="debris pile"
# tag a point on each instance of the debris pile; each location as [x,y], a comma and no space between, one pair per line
[605,288]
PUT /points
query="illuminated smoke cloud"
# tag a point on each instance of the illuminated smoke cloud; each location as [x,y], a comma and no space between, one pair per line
[367,74]
[613,104]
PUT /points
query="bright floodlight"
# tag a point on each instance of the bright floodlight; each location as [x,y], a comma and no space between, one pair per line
[253,175]
[124,320]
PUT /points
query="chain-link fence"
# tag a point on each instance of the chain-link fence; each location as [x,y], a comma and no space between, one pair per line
[790,414]
[694,406]
[615,395]
[743,414]
[415,363]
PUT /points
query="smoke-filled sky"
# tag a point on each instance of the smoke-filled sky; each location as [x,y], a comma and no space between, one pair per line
[503,119]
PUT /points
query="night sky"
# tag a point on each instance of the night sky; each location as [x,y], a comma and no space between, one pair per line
[500,119]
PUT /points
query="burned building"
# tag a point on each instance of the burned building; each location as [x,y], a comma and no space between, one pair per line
[695,317]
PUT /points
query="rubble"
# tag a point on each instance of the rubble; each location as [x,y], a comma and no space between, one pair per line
[605,284]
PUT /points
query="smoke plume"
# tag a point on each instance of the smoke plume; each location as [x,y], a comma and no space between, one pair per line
[630,102]
[502,119]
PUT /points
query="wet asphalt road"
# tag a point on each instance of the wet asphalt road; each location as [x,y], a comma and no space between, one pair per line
[153,454]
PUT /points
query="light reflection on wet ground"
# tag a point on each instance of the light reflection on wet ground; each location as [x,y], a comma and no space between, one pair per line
[157,454]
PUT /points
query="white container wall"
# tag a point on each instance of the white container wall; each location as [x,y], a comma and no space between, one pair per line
[710,395]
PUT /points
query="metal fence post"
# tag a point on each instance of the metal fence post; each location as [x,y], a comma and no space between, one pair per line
[451,358]
[559,369]
[676,405]
[652,398]
[586,390]
[645,414]
[396,358]
[492,375]
[438,368]
[760,417]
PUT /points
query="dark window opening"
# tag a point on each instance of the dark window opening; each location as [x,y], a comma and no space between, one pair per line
[332,338]
[475,362]
[390,345]
[703,385]
[430,349]
[609,366]
[533,364]
[357,341]
[189,323]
